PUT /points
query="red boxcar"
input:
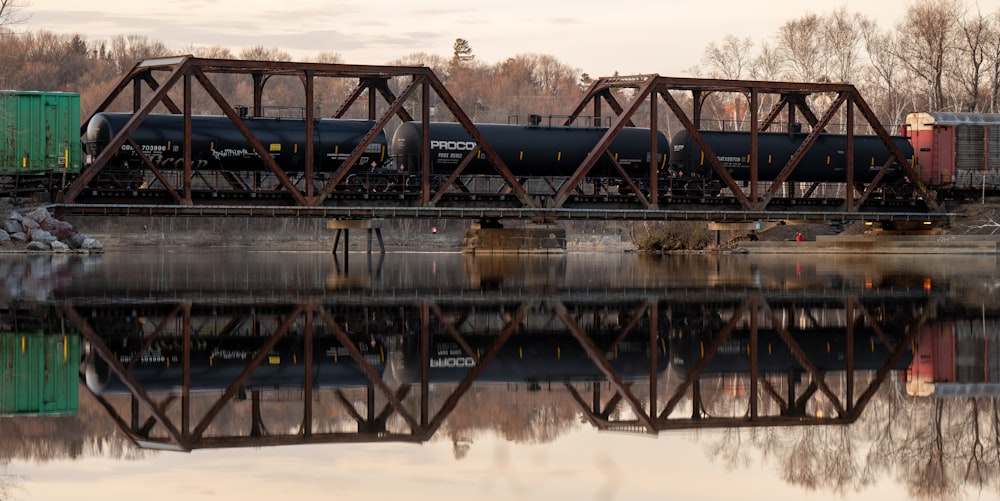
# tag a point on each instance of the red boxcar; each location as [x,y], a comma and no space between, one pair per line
[956,152]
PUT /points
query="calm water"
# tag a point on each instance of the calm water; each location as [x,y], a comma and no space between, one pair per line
[256,375]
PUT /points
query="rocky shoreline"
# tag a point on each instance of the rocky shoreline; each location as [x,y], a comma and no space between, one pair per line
[39,231]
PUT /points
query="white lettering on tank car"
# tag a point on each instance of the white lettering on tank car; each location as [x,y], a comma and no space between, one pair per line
[453,145]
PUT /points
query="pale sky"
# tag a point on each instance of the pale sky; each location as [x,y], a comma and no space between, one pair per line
[597,37]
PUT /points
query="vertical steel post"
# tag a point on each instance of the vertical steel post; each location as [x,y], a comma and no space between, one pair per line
[188,171]
[258,94]
[654,167]
[310,157]
[849,156]
[425,148]
[754,146]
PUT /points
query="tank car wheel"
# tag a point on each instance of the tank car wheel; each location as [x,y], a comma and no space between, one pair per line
[378,185]
[353,183]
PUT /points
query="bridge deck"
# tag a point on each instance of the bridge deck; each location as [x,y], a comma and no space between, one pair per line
[689,213]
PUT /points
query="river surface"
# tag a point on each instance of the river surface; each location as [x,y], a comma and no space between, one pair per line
[220,374]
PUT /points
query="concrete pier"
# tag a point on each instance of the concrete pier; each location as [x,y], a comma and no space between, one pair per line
[530,239]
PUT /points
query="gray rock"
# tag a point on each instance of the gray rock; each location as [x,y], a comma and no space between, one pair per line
[75,241]
[92,245]
[58,246]
[43,236]
[38,215]
[28,224]
[4,236]
[12,226]
[19,236]
[39,246]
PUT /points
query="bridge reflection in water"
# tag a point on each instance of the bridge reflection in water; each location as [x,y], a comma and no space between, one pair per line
[198,368]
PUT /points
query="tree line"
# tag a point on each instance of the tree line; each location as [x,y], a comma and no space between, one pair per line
[942,55]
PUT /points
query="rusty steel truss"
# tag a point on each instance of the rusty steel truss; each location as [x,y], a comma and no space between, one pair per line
[792,98]
[155,82]
[161,76]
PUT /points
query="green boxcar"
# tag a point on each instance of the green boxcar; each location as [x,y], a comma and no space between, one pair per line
[39,132]
[39,374]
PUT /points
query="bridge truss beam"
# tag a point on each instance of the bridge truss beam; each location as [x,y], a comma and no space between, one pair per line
[183,71]
[790,96]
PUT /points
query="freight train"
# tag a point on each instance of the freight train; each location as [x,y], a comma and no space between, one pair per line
[954,154]
[530,358]
[217,146]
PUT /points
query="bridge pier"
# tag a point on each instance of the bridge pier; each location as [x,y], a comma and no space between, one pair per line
[533,238]
[343,226]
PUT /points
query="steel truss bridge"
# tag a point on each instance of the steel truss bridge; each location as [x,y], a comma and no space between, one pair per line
[406,93]
[223,370]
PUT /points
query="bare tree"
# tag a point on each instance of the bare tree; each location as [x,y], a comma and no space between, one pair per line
[842,41]
[768,65]
[261,53]
[731,60]
[126,50]
[978,34]
[927,43]
[994,50]
[800,43]
[884,84]
[12,12]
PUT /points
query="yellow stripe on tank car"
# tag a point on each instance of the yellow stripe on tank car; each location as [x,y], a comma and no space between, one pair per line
[168,145]
[769,159]
[274,147]
[828,159]
[66,156]
[558,156]
[211,146]
[24,163]
[703,158]
[521,156]
[295,148]
[336,149]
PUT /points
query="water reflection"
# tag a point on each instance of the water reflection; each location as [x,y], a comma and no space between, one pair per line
[189,351]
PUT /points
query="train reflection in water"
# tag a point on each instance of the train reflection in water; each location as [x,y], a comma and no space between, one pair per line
[390,359]
[213,363]
[956,359]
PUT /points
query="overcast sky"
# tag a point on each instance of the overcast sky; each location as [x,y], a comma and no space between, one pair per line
[598,37]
